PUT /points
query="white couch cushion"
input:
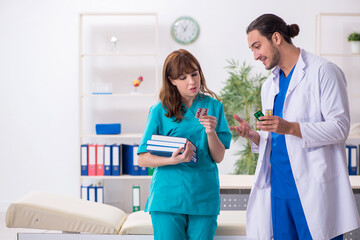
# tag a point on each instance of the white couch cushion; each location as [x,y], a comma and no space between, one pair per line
[137,223]
[49,211]
[229,223]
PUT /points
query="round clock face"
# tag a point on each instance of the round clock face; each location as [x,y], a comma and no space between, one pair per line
[185,30]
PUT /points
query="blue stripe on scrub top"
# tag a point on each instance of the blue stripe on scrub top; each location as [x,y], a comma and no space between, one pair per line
[282,179]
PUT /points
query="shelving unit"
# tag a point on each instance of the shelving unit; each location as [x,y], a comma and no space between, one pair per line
[107,69]
[337,27]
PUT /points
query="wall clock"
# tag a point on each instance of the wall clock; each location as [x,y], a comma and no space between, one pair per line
[185,30]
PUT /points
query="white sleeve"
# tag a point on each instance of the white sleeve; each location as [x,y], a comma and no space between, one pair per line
[335,124]
[254,147]
[263,140]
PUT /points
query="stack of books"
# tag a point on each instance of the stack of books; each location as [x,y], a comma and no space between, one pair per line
[166,145]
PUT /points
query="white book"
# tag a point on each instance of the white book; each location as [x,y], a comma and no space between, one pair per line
[165,144]
[169,138]
[161,148]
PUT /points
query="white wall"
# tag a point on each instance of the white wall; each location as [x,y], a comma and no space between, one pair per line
[39,74]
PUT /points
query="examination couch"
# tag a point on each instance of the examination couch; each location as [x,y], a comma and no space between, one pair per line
[77,219]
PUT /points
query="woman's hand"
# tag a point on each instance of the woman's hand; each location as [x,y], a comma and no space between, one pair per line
[217,149]
[186,156]
[209,122]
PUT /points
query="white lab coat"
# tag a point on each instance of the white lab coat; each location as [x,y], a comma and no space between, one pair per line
[318,101]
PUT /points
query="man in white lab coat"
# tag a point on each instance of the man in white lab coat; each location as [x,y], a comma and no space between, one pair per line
[301,189]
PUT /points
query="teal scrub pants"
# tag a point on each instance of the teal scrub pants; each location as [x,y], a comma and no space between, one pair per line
[177,226]
[289,220]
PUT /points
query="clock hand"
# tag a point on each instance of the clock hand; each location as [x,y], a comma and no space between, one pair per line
[184,28]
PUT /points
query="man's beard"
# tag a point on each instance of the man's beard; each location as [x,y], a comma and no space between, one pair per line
[275,58]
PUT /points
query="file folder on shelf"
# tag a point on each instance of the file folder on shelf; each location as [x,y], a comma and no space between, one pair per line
[352,154]
[107,160]
[92,193]
[116,157]
[100,160]
[143,171]
[130,160]
[84,160]
[84,192]
[92,160]
[136,198]
[150,171]
[99,194]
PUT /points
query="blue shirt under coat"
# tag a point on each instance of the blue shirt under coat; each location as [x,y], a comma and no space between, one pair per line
[282,179]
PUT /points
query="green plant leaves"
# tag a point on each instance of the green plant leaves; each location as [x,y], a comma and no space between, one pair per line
[241,96]
[355,36]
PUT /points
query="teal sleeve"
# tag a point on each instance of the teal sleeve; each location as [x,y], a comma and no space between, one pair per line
[222,128]
[151,127]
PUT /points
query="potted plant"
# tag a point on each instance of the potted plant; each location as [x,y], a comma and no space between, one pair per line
[241,96]
[354,39]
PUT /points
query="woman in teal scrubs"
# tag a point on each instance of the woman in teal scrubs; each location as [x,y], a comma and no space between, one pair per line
[184,196]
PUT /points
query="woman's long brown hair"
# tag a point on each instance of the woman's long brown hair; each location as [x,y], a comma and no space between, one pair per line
[179,62]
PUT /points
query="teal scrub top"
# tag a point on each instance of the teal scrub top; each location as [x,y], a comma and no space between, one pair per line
[186,188]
